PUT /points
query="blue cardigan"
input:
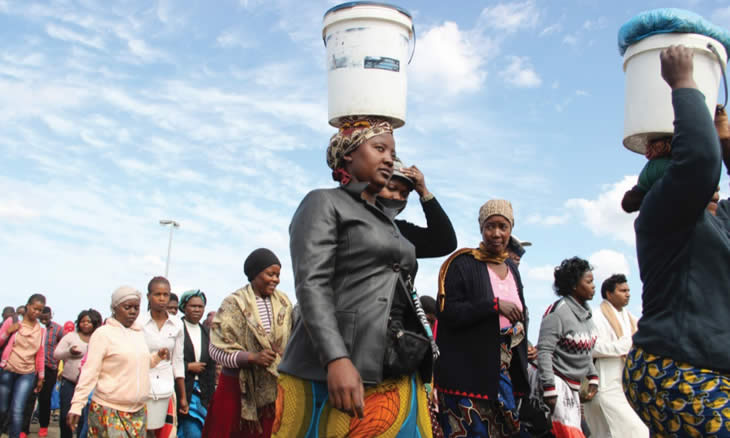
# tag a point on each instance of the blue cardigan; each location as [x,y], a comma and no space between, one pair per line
[684,251]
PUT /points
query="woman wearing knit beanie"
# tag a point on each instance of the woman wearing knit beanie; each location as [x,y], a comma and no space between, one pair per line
[482,333]
[248,336]
[352,269]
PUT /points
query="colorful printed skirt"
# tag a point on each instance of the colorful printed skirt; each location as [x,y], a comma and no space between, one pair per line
[397,408]
[110,423]
[676,399]
[470,417]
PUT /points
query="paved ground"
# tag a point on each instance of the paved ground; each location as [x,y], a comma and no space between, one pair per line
[53,431]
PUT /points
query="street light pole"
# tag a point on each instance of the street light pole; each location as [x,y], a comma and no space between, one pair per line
[165,222]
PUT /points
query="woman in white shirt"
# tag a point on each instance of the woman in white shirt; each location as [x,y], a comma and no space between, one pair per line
[163,331]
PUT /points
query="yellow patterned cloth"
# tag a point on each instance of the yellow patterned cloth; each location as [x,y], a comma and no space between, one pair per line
[676,399]
[397,408]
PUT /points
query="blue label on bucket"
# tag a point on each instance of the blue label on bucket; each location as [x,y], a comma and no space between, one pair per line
[382,63]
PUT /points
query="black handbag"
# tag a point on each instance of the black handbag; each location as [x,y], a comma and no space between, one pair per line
[404,352]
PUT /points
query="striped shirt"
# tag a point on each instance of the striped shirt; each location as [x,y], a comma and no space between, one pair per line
[54,332]
[263,305]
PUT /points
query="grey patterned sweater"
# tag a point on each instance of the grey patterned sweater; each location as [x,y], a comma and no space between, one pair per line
[565,346]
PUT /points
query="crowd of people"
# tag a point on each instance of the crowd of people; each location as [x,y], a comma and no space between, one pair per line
[361,354]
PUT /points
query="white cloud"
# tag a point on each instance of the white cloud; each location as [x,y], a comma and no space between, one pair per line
[12,209]
[553,28]
[450,60]
[511,17]
[570,40]
[582,93]
[164,9]
[548,220]
[30,60]
[597,24]
[250,3]
[520,73]
[604,216]
[140,49]
[607,262]
[65,34]
[542,273]
[232,39]
[58,124]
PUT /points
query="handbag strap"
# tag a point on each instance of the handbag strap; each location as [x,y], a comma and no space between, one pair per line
[422,317]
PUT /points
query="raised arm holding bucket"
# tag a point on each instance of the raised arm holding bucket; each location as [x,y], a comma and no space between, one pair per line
[676,374]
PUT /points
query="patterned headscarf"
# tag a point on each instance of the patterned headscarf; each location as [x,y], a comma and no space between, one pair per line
[186,296]
[353,132]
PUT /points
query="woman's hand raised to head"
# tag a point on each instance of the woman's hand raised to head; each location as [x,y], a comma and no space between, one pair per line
[346,391]
[419,181]
[678,67]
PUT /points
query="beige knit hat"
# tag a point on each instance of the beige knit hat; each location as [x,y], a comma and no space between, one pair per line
[493,207]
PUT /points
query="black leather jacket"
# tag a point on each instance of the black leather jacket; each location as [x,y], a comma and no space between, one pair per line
[347,256]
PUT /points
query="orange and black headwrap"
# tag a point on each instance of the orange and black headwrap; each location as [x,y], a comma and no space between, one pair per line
[352,133]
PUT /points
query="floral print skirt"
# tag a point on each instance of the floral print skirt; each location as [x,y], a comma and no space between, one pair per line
[106,422]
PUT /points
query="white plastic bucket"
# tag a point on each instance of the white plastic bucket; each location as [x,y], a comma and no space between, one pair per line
[649,113]
[367,57]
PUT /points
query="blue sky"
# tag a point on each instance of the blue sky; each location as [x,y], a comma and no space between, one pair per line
[117,114]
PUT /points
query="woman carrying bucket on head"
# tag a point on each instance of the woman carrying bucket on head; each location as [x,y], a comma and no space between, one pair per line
[677,375]
[343,373]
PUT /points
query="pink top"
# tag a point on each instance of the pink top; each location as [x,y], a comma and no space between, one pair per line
[505,290]
[10,347]
[117,369]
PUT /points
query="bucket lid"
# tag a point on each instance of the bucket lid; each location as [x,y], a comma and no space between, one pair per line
[368,3]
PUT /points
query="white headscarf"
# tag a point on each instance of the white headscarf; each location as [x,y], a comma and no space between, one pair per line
[124,293]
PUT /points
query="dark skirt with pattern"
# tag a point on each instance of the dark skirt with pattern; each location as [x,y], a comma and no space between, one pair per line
[472,417]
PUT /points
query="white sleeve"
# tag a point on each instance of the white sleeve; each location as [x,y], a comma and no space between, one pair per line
[607,345]
[178,364]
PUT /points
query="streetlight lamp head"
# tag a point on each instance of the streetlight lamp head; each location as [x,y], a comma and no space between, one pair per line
[169,222]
